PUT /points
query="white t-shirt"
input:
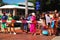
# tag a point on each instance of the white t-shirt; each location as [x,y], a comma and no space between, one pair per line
[42,22]
[48,19]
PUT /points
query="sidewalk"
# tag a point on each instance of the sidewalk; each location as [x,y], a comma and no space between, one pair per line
[56,38]
[23,36]
[16,28]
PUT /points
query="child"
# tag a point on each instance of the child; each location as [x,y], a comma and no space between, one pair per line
[52,26]
[4,20]
[25,24]
[49,28]
[11,24]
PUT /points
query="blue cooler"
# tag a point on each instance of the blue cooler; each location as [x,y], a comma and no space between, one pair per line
[45,32]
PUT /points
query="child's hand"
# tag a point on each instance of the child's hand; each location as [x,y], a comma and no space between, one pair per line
[7,24]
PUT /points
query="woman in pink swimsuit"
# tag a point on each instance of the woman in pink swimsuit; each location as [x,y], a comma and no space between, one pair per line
[33,24]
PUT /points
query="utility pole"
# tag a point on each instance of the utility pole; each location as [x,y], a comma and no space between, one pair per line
[26,9]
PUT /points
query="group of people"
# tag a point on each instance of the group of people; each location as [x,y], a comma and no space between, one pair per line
[4,24]
[48,24]
[9,21]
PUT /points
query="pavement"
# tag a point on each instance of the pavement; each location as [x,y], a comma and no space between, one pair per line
[24,36]
[56,38]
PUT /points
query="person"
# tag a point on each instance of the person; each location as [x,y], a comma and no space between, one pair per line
[24,24]
[11,24]
[33,24]
[21,24]
[56,22]
[28,19]
[58,28]
[47,19]
[52,26]
[41,25]
[44,27]
[49,29]
[4,21]
[0,22]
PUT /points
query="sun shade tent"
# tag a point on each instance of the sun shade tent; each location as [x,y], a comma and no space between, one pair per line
[14,6]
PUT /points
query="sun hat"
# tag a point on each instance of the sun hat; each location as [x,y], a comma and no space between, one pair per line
[33,13]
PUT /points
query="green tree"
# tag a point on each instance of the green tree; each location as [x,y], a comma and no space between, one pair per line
[48,4]
[30,1]
[2,3]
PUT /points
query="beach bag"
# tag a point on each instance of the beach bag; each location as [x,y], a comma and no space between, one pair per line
[45,32]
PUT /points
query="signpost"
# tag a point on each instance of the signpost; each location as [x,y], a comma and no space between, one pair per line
[37,5]
[26,9]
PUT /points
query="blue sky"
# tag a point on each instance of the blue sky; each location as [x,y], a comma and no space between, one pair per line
[13,1]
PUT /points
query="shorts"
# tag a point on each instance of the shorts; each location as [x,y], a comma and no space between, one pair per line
[11,25]
[4,25]
[25,26]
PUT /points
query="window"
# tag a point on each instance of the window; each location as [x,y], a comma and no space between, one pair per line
[7,10]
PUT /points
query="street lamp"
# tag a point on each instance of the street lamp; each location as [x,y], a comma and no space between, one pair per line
[26,9]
